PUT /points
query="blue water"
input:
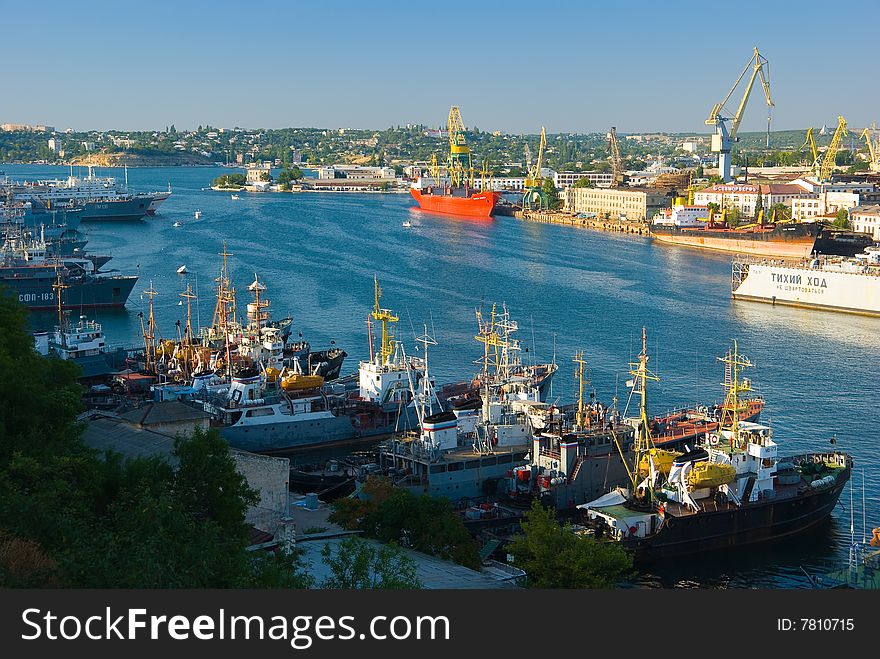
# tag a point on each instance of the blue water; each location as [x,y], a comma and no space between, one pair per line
[569,288]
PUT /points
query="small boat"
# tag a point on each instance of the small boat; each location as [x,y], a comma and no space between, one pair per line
[182,270]
[198,215]
[407,224]
[177,224]
[235,196]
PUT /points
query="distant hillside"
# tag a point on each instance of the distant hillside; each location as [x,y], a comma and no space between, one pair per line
[142,158]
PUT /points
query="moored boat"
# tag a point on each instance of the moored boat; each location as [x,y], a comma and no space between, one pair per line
[731,491]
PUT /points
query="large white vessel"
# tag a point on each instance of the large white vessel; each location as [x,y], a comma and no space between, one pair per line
[851,285]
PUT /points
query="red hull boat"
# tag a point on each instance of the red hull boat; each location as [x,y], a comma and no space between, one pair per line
[458,202]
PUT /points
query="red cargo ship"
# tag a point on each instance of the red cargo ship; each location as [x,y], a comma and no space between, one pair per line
[456,201]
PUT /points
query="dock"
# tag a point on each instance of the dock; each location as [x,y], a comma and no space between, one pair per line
[596,223]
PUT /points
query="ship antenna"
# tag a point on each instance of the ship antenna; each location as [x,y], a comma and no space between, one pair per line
[864,514]
[581,364]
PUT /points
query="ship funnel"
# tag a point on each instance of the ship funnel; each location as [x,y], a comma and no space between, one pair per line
[440,431]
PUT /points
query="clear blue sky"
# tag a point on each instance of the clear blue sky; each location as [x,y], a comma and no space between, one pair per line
[510,66]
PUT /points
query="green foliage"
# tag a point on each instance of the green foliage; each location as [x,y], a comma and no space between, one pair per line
[842,219]
[713,206]
[783,212]
[72,518]
[699,172]
[858,166]
[427,524]
[552,194]
[357,564]
[230,181]
[583,182]
[554,557]
[733,216]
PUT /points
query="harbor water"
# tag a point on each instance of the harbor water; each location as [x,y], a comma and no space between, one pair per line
[569,289]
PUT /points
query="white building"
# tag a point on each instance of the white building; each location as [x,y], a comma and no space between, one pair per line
[356,172]
[53,144]
[744,197]
[564,180]
[866,219]
[825,203]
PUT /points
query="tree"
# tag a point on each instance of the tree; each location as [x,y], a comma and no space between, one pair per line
[733,215]
[781,211]
[842,219]
[552,194]
[554,557]
[759,204]
[357,564]
[583,182]
[699,172]
[427,524]
[289,175]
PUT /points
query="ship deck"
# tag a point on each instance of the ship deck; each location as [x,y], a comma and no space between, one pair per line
[709,505]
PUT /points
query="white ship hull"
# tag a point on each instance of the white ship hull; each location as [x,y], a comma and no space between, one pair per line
[803,286]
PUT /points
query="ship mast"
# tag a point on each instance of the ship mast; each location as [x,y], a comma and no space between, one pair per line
[488,336]
[581,419]
[641,376]
[426,395]
[149,331]
[258,309]
[734,364]
[384,316]
[188,338]
[60,286]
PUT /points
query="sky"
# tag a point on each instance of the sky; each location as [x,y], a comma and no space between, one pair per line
[510,66]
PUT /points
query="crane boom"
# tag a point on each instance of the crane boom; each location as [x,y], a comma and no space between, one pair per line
[724,137]
[873,148]
[828,160]
[616,159]
[811,142]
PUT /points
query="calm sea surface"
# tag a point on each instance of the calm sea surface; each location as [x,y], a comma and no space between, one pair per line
[569,289]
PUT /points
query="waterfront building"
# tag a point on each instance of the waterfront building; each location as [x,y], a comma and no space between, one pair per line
[259,176]
[744,197]
[356,172]
[827,203]
[634,204]
[866,219]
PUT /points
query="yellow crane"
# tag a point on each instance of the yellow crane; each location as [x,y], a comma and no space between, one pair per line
[723,138]
[461,169]
[811,142]
[827,167]
[533,185]
[873,147]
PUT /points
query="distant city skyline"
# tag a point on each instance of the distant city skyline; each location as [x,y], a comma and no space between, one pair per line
[571,67]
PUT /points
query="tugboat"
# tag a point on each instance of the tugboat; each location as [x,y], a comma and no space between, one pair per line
[581,454]
[732,490]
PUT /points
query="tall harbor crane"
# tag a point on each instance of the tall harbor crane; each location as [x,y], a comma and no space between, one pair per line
[828,160]
[870,137]
[616,159]
[460,168]
[533,187]
[723,138]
